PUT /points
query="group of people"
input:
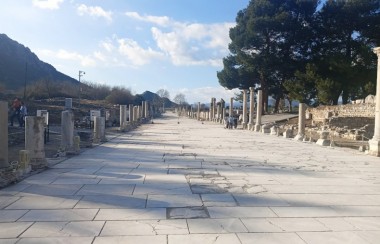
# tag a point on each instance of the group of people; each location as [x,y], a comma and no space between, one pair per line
[230,122]
[18,111]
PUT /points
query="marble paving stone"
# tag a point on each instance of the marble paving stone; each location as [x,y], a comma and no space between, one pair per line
[260,225]
[218,200]
[63,215]
[305,211]
[158,239]
[157,189]
[50,190]
[365,223]
[204,239]
[372,237]
[111,201]
[13,230]
[11,215]
[5,201]
[45,202]
[121,181]
[187,213]
[240,212]
[166,201]
[332,237]
[144,227]
[106,189]
[209,226]
[264,199]
[131,214]
[68,181]
[13,189]
[337,224]
[9,241]
[61,229]
[165,179]
[270,238]
[357,211]
[57,240]
[298,224]
[207,189]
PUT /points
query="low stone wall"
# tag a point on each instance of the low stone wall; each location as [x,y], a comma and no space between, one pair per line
[325,113]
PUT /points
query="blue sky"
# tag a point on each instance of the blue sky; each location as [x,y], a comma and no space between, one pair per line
[177,45]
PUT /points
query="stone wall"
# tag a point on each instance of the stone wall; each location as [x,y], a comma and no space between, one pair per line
[324,113]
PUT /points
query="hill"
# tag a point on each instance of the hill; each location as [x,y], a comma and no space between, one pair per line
[18,63]
[154,98]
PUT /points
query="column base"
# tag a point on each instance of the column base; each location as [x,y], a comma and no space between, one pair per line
[299,137]
[257,128]
[323,142]
[245,126]
[251,126]
[374,148]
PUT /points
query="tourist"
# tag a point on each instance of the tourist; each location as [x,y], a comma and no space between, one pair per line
[23,113]
[16,105]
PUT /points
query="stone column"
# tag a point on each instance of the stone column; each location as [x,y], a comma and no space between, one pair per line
[130,113]
[231,106]
[217,112]
[123,116]
[199,111]
[135,113]
[301,122]
[374,143]
[4,135]
[146,106]
[259,108]
[99,129]
[245,109]
[223,115]
[67,129]
[34,139]
[251,107]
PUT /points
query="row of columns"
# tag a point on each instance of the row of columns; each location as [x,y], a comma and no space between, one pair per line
[133,114]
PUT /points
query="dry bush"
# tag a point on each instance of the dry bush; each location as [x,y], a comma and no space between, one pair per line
[120,95]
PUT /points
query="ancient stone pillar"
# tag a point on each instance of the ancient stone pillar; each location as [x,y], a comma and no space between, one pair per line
[4,135]
[259,110]
[251,107]
[99,129]
[214,108]
[217,112]
[67,130]
[199,111]
[244,109]
[135,113]
[34,139]
[374,143]
[231,112]
[130,113]
[123,116]
[223,115]
[146,106]
[301,122]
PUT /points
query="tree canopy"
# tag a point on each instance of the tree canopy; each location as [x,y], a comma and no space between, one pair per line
[304,50]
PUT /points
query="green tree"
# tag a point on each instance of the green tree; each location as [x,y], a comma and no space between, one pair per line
[269,43]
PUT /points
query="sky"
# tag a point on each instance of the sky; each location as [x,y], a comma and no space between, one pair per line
[177,45]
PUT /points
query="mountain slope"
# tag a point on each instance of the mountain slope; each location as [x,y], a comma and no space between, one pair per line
[18,62]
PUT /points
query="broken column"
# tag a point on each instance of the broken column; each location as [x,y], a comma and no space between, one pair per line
[146,106]
[34,140]
[245,123]
[67,130]
[323,139]
[199,111]
[259,110]
[99,129]
[374,143]
[301,122]
[130,111]
[251,107]
[4,135]
[123,116]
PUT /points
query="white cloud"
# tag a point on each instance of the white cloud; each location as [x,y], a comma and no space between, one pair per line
[158,20]
[204,94]
[47,4]
[189,43]
[85,61]
[136,54]
[94,11]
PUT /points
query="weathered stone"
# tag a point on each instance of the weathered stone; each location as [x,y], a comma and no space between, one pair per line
[99,130]
[374,143]
[34,140]
[323,140]
[301,122]
[4,135]
[288,133]
[259,110]
[245,121]
[67,127]
[251,107]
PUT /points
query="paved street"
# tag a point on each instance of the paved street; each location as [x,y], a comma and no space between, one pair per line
[181,181]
